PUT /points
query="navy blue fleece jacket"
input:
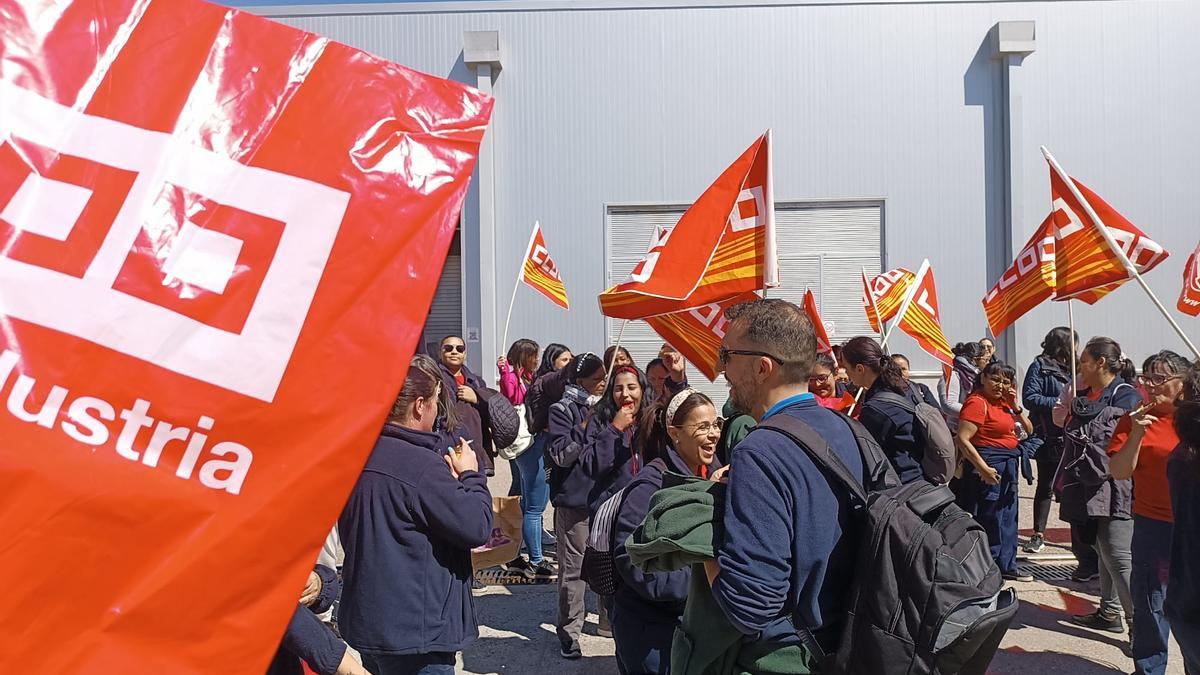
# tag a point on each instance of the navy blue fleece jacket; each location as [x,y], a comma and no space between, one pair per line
[565,437]
[607,460]
[789,536]
[892,427]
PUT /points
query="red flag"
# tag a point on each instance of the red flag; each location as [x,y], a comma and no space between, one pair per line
[1086,267]
[889,290]
[1026,283]
[922,320]
[1189,296]
[539,271]
[724,245]
[697,333]
[824,345]
[219,240]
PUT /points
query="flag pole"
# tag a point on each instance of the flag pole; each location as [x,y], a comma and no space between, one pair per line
[1108,239]
[517,284]
[874,307]
[617,346]
[1071,323]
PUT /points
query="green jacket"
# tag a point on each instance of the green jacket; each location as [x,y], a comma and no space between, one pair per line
[682,528]
[737,425]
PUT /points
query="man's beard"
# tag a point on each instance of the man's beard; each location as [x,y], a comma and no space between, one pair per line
[737,394]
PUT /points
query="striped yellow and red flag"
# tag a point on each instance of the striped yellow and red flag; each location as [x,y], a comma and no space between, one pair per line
[889,290]
[1086,267]
[922,320]
[1026,283]
[824,345]
[540,272]
[697,332]
[724,245]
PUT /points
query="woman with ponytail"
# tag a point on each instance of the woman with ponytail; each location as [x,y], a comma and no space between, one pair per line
[892,425]
[680,436]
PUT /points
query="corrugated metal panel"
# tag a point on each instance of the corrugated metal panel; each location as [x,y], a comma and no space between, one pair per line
[445,314]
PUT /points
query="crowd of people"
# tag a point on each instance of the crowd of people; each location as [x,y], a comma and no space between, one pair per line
[601,439]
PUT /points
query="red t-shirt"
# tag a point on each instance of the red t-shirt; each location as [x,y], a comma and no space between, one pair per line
[995,421]
[1151,494]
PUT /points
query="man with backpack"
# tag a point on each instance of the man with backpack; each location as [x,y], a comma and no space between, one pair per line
[824,554]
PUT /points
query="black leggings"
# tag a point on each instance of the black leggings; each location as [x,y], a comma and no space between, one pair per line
[1043,496]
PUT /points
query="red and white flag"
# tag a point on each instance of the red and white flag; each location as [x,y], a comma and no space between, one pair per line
[883,295]
[697,333]
[723,246]
[921,319]
[824,345]
[1086,267]
[539,272]
[1028,282]
[1189,296]
[216,259]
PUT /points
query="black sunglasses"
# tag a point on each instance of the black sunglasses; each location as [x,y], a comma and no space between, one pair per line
[454,348]
[723,355]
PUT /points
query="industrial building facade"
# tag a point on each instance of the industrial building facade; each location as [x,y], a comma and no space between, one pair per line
[902,131]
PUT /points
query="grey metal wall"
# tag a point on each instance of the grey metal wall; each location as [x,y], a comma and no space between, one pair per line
[895,101]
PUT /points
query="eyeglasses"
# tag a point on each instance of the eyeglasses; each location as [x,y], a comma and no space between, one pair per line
[723,355]
[454,348]
[1155,380]
[1001,381]
[704,428]
[819,379]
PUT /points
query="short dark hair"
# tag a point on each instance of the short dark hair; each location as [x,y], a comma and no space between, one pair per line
[781,328]
[1176,364]
[520,351]
[995,368]
[1058,345]
[549,356]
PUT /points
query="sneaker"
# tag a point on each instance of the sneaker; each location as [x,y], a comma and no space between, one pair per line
[1016,576]
[1082,576]
[570,649]
[517,565]
[541,571]
[1035,544]
[1099,620]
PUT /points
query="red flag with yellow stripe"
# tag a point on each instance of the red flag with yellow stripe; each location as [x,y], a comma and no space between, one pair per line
[1189,297]
[697,332]
[724,245]
[889,290]
[922,320]
[539,271]
[1026,283]
[824,345]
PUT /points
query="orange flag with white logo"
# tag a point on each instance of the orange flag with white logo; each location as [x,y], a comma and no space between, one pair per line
[539,271]
[888,291]
[1026,283]
[697,332]
[922,320]
[824,345]
[724,245]
[1189,297]
[1086,267]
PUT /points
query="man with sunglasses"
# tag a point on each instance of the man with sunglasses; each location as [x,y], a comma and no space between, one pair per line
[465,389]
[787,558]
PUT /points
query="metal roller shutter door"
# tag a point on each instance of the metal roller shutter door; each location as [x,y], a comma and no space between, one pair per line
[445,314]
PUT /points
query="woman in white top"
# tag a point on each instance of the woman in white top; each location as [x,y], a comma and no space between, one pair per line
[969,358]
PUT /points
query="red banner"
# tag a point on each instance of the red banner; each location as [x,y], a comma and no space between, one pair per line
[219,239]
[697,333]
[889,290]
[922,319]
[724,245]
[1028,282]
[1189,296]
[824,345]
[539,271]
[1086,267]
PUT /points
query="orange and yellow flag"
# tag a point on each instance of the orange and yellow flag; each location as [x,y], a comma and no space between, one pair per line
[724,245]
[1086,267]
[540,272]
[824,345]
[1026,283]
[922,320]
[697,332]
[1189,297]
[889,290]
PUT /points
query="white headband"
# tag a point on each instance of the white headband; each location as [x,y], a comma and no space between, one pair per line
[676,401]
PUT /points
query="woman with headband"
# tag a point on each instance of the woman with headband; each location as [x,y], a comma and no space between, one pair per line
[679,436]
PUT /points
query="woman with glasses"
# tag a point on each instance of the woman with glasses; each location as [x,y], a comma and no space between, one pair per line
[883,409]
[1140,448]
[822,383]
[464,387]
[987,439]
[680,436]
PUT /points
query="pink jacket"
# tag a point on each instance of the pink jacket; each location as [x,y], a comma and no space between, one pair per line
[512,385]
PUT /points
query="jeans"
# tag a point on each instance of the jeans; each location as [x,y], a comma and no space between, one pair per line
[535,493]
[1151,569]
[571,530]
[1114,538]
[994,506]
[1187,634]
[435,663]
[643,647]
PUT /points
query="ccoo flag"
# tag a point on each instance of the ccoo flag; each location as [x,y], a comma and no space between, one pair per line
[724,245]
[888,291]
[539,271]
[1189,297]
[697,332]
[1026,283]
[824,345]
[1086,267]
[922,320]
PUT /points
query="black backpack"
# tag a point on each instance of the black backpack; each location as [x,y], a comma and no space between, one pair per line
[926,597]
[544,392]
[939,457]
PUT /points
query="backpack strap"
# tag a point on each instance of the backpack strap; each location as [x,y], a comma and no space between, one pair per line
[902,402]
[818,450]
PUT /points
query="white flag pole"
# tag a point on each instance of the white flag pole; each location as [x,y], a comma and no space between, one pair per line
[617,346]
[517,284]
[1129,266]
[908,298]
[1071,323]
[771,264]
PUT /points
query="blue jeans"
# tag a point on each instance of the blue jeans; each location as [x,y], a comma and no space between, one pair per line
[535,493]
[994,506]
[1151,569]
[436,663]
